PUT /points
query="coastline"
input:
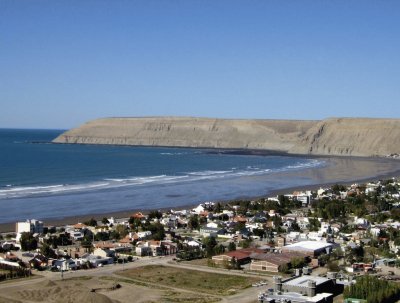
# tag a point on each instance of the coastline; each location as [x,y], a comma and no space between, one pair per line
[343,170]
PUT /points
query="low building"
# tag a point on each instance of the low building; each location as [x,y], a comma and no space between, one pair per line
[96,260]
[271,262]
[240,257]
[211,231]
[310,248]
[301,289]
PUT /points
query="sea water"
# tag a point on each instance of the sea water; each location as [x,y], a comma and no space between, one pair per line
[42,180]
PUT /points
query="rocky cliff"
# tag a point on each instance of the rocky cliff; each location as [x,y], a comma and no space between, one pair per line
[357,137]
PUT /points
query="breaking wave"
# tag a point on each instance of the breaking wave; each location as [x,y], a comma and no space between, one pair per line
[12,191]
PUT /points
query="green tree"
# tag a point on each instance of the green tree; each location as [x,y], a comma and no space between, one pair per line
[47,251]
[297,262]
[91,222]
[105,221]
[157,231]
[333,266]
[218,208]
[209,245]
[231,246]
[193,222]
[122,230]
[373,290]
[155,214]
[28,242]
[245,243]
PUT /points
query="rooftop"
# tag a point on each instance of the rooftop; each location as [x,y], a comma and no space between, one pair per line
[303,281]
[308,245]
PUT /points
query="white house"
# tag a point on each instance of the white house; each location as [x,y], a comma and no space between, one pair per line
[199,209]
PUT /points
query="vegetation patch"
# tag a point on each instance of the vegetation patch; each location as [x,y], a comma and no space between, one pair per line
[373,290]
[204,282]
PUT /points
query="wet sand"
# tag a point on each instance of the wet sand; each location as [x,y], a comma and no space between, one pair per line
[343,170]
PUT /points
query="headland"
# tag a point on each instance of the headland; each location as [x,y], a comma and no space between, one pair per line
[363,137]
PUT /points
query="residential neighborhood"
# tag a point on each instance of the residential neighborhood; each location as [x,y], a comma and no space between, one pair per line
[311,245]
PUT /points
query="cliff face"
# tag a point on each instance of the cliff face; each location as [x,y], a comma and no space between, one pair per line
[352,137]
[358,137]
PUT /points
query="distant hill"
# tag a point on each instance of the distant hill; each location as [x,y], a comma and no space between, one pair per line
[335,136]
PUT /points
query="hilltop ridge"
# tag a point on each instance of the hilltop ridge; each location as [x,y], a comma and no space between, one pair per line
[332,136]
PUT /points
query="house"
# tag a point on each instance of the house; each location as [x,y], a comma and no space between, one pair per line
[212,225]
[9,256]
[199,209]
[65,264]
[138,215]
[240,219]
[39,261]
[170,221]
[303,197]
[96,260]
[211,231]
[143,250]
[7,245]
[79,226]
[76,235]
[156,248]
[193,243]
[280,241]
[104,252]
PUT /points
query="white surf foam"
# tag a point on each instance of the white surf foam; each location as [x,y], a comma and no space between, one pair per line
[11,191]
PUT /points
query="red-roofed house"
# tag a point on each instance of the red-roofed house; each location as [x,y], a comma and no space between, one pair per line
[138,215]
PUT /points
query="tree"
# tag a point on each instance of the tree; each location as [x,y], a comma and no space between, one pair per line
[91,222]
[234,263]
[102,236]
[259,232]
[209,245]
[155,214]
[122,230]
[297,262]
[193,222]
[28,242]
[337,188]
[157,231]
[105,221]
[47,251]
[231,246]
[245,243]
[219,249]
[373,290]
[295,226]
[218,208]
[333,266]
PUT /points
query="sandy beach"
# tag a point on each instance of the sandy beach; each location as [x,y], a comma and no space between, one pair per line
[343,170]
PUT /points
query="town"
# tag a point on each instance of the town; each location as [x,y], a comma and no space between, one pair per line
[307,246]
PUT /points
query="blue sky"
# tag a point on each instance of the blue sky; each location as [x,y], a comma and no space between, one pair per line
[65,62]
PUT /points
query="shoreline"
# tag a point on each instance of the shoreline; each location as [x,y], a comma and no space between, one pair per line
[321,176]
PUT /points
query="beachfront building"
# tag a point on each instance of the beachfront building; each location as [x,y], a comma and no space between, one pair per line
[29,226]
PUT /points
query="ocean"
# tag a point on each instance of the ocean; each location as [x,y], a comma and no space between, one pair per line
[42,180]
